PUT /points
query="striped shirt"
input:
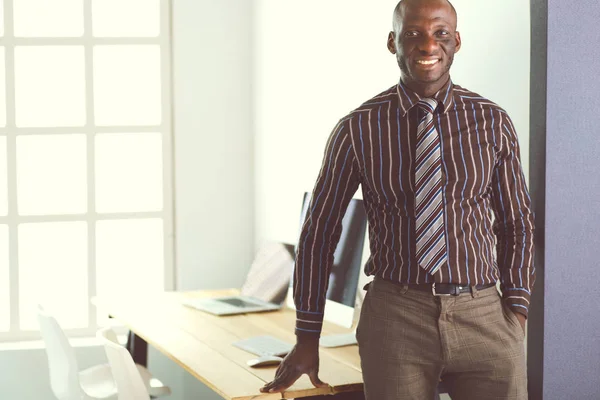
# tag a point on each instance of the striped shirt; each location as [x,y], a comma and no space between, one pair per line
[487,209]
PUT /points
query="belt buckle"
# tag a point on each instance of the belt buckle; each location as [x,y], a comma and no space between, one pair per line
[438,294]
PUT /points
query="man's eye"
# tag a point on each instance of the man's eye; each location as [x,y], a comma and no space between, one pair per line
[443,33]
[410,34]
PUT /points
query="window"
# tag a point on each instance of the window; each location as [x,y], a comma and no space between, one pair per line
[85,158]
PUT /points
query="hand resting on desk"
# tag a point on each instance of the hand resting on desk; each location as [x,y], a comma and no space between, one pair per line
[303,359]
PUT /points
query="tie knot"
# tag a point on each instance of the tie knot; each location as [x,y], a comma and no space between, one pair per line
[427,105]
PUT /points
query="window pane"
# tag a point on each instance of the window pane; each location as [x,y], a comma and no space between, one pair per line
[1,18]
[51,174]
[4,280]
[129,256]
[127,85]
[53,272]
[3,178]
[2,88]
[43,18]
[49,86]
[129,172]
[113,18]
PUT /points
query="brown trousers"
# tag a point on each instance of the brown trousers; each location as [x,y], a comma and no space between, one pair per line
[409,340]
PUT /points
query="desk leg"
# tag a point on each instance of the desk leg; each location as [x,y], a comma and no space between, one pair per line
[138,348]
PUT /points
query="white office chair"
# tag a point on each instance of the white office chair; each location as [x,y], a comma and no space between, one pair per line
[130,385]
[69,383]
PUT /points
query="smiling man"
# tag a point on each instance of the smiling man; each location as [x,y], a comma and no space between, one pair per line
[449,216]
[424,67]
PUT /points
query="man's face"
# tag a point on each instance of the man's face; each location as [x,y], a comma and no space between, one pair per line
[424,41]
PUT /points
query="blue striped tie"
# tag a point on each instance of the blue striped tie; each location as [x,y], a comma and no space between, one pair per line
[430,231]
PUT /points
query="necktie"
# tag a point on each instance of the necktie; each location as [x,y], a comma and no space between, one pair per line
[430,231]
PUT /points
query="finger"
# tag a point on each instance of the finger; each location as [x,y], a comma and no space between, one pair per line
[267,387]
[284,383]
[314,378]
[280,376]
[281,369]
[279,380]
[264,389]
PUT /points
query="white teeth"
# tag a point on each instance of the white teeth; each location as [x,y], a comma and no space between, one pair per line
[427,62]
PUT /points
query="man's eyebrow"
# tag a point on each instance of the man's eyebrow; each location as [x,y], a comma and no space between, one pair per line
[438,24]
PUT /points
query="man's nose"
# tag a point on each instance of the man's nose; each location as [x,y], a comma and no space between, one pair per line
[428,44]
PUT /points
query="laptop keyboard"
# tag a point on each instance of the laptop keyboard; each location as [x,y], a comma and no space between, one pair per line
[238,302]
[264,346]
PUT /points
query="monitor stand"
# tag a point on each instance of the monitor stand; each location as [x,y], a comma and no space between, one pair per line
[339,340]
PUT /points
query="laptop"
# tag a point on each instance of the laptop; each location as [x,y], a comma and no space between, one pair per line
[265,288]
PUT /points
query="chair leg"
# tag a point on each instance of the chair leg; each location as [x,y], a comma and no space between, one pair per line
[138,348]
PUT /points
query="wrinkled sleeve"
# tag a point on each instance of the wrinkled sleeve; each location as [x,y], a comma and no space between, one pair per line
[514,221]
[337,182]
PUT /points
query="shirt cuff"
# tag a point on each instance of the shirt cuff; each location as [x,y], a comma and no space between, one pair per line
[517,299]
[309,323]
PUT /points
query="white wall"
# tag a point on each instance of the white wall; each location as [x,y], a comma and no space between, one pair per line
[313,64]
[323,59]
[214,187]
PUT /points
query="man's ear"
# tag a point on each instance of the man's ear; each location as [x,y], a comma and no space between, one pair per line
[391,45]
[458,41]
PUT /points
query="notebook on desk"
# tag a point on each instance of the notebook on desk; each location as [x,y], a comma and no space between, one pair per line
[265,287]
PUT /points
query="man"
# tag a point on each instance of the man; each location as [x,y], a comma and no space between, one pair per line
[449,215]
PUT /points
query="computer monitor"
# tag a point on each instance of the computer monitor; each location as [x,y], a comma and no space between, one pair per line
[346,269]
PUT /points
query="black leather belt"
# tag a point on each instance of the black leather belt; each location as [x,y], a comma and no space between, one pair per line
[446,289]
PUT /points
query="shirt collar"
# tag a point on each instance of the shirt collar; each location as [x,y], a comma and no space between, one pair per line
[408,98]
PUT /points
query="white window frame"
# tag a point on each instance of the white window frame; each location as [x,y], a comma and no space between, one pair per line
[11,131]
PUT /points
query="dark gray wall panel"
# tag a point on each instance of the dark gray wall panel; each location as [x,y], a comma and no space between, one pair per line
[568,304]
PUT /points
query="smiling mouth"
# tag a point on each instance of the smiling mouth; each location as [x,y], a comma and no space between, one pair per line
[427,62]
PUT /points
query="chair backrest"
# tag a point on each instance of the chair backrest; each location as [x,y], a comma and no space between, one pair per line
[130,385]
[62,363]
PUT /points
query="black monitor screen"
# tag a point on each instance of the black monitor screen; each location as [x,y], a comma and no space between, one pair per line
[345,272]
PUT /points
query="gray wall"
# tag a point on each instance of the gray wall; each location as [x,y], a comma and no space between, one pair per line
[213,140]
[564,331]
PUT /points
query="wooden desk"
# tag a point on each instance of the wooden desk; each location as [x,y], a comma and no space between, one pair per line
[201,343]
